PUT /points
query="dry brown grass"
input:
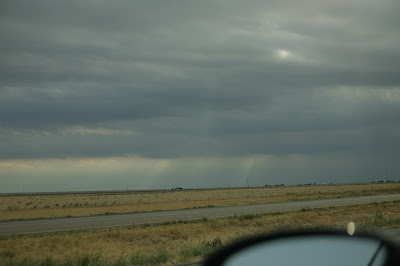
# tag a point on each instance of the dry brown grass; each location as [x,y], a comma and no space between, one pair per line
[41,206]
[179,242]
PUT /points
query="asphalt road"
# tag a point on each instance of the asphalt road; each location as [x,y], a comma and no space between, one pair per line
[76,223]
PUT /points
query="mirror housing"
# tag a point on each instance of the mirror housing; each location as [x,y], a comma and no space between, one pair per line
[315,247]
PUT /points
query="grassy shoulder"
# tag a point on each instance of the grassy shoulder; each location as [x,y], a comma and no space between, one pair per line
[71,205]
[181,241]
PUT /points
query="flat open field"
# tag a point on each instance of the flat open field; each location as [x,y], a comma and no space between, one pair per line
[180,242]
[63,205]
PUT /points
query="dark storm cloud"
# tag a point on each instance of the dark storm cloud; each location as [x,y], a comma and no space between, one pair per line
[198,78]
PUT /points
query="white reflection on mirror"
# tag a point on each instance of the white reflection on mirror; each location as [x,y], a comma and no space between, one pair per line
[312,250]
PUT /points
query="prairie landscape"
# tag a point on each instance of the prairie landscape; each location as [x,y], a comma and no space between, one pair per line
[34,206]
[204,106]
[180,241]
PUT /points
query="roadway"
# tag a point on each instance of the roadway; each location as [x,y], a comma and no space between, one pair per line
[77,223]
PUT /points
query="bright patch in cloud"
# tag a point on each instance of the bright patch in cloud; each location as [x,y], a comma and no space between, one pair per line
[97,131]
[283,54]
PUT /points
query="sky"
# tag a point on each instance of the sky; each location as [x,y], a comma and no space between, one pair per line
[109,95]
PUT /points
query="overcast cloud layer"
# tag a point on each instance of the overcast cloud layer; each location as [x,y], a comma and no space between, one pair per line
[197,93]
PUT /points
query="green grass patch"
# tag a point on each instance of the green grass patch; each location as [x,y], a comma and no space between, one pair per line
[158,257]
[203,249]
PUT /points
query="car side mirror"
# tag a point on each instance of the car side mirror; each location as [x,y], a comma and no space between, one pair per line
[309,248]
